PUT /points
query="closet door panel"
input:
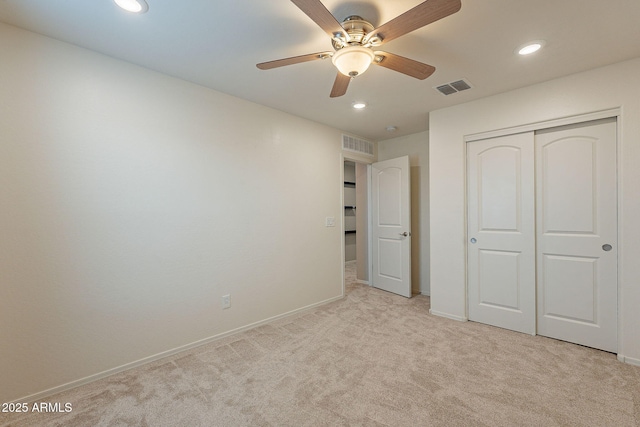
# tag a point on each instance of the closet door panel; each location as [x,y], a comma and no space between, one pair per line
[500,226]
[577,234]
[570,288]
[568,208]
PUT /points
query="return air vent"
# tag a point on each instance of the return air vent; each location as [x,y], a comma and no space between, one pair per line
[453,87]
[356,145]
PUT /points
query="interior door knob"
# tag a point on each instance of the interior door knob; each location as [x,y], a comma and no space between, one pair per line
[473,240]
[607,247]
[405,234]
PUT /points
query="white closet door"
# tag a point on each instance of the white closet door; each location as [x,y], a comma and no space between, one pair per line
[577,234]
[501,246]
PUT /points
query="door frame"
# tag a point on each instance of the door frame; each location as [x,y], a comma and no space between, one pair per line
[546,124]
[346,158]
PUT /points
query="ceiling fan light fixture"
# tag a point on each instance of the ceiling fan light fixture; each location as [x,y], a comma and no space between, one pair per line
[133,6]
[353,60]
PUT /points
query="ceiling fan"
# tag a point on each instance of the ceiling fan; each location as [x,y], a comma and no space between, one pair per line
[355,39]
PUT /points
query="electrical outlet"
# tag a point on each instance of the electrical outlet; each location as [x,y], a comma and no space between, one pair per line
[226,301]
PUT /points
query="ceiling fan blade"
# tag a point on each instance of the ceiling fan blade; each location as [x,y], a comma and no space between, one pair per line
[340,85]
[293,60]
[423,14]
[319,14]
[404,65]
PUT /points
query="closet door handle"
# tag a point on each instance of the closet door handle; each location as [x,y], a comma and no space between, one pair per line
[607,247]
[405,234]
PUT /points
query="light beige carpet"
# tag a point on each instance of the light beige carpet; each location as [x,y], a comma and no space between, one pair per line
[371,359]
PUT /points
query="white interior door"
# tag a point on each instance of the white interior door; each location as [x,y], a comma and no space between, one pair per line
[391,226]
[577,234]
[500,226]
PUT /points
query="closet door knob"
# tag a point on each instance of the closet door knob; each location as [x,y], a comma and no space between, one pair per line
[607,247]
[473,240]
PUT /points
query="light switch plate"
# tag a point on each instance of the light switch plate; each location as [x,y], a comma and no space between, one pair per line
[330,221]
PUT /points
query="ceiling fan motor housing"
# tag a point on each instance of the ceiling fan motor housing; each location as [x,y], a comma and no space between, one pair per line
[356,27]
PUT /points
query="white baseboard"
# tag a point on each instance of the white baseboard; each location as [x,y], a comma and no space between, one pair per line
[363,282]
[629,360]
[448,316]
[91,378]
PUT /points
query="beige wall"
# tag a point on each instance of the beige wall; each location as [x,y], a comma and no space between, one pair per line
[615,86]
[132,201]
[415,146]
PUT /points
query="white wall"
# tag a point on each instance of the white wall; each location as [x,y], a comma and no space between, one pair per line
[132,201]
[415,146]
[600,89]
[362,223]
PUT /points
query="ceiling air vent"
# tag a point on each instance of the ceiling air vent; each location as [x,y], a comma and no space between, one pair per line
[453,87]
[356,145]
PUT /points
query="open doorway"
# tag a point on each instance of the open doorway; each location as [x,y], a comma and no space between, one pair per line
[377,225]
[356,224]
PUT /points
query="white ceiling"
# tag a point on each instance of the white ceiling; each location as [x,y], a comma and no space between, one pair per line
[216,43]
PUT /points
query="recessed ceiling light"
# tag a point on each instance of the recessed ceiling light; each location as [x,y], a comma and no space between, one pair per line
[359,105]
[134,6]
[530,47]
